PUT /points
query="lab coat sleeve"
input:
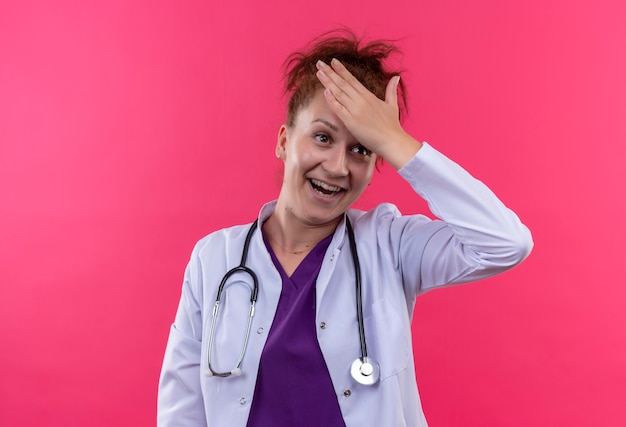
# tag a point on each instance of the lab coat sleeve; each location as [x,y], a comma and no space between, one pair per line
[478,236]
[180,400]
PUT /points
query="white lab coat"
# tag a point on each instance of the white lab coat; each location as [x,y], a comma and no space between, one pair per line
[400,257]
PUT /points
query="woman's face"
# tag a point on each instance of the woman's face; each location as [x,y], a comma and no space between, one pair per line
[326,169]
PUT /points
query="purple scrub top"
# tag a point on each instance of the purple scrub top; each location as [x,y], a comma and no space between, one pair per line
[293,386]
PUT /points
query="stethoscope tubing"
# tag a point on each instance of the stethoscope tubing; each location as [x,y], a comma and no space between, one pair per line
[359,297]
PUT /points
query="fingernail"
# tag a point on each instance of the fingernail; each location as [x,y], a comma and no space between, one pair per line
[320,64]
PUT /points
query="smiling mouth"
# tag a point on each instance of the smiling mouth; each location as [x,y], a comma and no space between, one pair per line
[324,189]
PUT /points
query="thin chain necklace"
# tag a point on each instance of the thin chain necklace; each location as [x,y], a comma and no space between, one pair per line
[307,249]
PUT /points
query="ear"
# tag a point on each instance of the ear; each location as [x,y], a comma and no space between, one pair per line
[281,142]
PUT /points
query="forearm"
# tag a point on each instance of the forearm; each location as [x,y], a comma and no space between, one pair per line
[400,149]
[482,236]
[180,401]
[180,397]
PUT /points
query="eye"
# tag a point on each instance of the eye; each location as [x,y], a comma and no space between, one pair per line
[322,137]
[359,149]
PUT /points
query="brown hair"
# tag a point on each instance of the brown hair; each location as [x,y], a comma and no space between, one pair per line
[364,60]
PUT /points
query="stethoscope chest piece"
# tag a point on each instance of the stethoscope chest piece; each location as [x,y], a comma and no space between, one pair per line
[365,371]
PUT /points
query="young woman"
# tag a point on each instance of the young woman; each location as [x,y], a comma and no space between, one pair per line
[324,337]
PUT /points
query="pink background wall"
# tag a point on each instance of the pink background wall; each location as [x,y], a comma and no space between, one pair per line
[130,129]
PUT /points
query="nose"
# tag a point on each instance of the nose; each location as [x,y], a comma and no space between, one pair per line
[336,162]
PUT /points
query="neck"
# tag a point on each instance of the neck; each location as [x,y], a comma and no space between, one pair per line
[291,235]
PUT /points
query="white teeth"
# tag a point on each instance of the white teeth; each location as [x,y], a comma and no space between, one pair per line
[325,186]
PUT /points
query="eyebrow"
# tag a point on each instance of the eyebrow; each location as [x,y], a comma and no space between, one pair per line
[327,123]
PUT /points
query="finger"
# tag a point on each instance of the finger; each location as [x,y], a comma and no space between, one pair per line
[391,92]
[339,82]
[338,93]
[335,105]
[344,73]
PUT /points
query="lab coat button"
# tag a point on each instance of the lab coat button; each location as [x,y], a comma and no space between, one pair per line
[323,325]
[260,330]
[347,393]
[242,401]
[332,258]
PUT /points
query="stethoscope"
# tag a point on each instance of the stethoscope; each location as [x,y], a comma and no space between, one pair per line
[364,370]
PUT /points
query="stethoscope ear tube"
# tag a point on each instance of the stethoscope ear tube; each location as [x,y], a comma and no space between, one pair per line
[236,371]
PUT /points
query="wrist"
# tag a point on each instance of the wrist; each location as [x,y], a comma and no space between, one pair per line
[403,149]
